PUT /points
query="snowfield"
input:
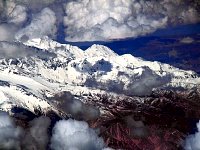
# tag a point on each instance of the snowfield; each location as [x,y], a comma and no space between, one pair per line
[30,81]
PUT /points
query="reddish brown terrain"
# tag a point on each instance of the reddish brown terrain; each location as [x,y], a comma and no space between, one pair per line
[161,121]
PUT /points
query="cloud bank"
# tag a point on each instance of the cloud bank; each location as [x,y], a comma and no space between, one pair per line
[75,135]
[97,20]
[193,141]
[92,20]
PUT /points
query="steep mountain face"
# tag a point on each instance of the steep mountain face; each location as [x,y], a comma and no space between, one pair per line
[52,67]
[134,103]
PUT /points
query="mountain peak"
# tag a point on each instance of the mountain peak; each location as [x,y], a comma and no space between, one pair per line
[100,51]
[29,81]
[94,51]
[62,50]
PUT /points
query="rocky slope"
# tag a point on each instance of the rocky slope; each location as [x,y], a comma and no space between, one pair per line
[51,67]
[126,97]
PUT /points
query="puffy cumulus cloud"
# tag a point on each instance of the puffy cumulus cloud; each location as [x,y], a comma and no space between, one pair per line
[66,102]
[15,14]
[9,133]
[193,141]
[20,20]
[41,25]
[90,20]
[37,136]
[75,135]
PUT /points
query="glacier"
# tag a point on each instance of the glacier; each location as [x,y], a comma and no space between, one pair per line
[29,81]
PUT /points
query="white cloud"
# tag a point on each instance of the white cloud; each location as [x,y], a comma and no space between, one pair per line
[11,12]
[35,5]
[18,15]
[75,135]
[90,20]
[11,18]
[7,32]
[9,134]
[66,102]
[146,83]
[17,50]
[187,40]
[193,141]
[141,85]
[7,49]
[42,24]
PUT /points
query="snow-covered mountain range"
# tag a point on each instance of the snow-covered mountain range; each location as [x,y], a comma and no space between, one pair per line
[51,67]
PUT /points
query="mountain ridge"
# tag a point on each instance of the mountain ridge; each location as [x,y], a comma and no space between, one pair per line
[30,81]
